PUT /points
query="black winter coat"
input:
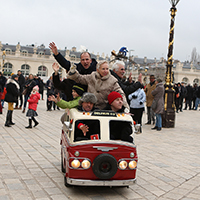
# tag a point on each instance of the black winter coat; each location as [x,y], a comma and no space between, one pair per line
[21,81]
[41,86]
[128,89]
[12,88]
[29,84]
[65,86]
[183,91]
[2,82]
[198,92]
[66,64]
[50,88]
[189,95]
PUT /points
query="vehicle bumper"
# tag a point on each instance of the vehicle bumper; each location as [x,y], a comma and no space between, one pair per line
[82,182]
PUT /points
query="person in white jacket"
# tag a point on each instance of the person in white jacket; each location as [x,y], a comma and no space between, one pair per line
[137,100]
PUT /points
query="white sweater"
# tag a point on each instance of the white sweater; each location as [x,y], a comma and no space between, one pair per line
[141,97]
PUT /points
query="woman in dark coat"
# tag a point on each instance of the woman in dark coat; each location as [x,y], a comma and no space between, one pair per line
[29,84]
[158,94]
[12,88]
[50,91]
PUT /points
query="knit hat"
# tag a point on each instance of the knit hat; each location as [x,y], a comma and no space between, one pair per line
[14,76]
[113,95]
[36,88]
[88,97]
[79,90]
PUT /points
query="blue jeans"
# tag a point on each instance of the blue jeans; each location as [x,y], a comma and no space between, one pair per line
[197,102]
[158,120]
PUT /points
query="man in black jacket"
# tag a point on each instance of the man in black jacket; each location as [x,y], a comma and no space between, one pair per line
[86,66]
[21,81]
[188,98]
[118,71]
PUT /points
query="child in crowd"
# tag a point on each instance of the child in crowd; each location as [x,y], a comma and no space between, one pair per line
[32,107]
[77,92]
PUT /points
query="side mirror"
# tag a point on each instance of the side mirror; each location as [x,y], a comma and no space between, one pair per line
[68,125]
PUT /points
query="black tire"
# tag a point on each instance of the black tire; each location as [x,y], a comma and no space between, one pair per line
[62,164]
[104,166]
[65,182]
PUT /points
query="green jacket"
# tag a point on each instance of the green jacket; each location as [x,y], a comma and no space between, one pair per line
[68,104]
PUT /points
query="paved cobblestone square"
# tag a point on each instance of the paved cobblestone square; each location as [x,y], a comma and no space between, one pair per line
[168,168]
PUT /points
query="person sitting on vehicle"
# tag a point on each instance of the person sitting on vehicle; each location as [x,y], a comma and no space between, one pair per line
[86,66]
[77,92]
[119,130]
[118,71]
[115,102]
[100,82]
[85,128]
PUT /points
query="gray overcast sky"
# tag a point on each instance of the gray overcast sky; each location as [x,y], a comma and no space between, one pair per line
[103,26]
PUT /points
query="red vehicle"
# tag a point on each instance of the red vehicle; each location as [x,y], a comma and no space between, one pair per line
[97,160]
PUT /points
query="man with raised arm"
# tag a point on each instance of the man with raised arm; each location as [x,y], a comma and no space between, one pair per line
[86,66]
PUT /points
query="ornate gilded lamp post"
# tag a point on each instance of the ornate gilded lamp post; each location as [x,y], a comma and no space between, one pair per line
[169,114]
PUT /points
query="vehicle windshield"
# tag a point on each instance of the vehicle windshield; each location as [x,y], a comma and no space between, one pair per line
[120,130]
[93,130]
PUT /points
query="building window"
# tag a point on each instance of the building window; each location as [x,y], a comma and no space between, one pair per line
[73,57]
[185,80]
[7,68]
[196,80]
[24,53]
[41,53]
[25,69]
[8,51]
[42,71]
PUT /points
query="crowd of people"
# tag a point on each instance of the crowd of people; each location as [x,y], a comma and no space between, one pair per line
[92,85]
[17,91]
[190,95]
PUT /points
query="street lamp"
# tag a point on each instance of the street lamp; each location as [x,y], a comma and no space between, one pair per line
[3,57]
[169,106]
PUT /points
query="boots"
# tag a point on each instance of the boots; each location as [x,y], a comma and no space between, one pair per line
[155,127]
[7,123]
[36,122]
[30,123]
[11,123]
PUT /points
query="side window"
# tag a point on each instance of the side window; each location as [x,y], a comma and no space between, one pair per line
[120,130]
[93,130]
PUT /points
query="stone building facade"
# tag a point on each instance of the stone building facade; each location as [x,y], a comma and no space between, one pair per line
[35,60]
[38,60]
[182,71]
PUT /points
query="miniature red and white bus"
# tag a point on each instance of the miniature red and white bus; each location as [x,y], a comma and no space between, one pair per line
[97,160]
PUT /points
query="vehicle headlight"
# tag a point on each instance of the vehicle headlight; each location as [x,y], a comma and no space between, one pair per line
[75,164]
[123,164]
[132,164]
[85,164]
